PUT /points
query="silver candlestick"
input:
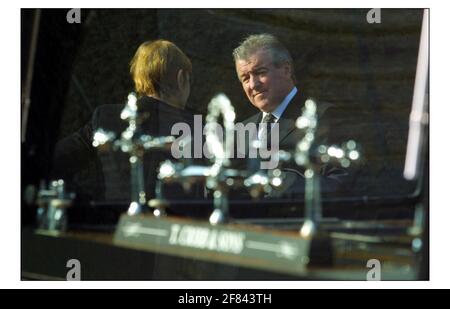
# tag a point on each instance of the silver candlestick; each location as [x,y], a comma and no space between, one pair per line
[135,143]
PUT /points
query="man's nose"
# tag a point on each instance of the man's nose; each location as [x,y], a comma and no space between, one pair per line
[254,82]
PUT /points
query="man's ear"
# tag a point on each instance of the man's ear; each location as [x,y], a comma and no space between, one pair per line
[287,68]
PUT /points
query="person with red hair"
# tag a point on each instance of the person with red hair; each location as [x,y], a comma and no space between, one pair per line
[161,73]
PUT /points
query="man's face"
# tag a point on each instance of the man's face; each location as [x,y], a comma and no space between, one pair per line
[264,84]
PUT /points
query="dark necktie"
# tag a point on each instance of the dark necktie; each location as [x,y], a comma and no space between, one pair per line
[269,118]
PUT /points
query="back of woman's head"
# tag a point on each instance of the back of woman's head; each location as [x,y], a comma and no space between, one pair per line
[155,66]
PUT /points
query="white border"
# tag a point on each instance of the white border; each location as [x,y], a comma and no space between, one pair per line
[10,160]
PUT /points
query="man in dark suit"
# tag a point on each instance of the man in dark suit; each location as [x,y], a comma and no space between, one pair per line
[161,73]
[265,69]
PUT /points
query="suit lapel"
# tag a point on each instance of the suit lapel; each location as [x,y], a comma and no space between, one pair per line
[255,119]
[290,115]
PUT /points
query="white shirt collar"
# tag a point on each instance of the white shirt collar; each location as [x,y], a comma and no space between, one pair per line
[278,112]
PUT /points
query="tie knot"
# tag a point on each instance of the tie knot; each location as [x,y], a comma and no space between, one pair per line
[268,118]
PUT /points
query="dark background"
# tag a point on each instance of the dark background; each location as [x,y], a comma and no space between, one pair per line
[366,70]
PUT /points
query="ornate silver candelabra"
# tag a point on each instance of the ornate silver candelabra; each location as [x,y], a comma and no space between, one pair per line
[313,159]
[135,143]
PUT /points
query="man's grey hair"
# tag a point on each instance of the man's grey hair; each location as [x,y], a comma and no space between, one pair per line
[268,42]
